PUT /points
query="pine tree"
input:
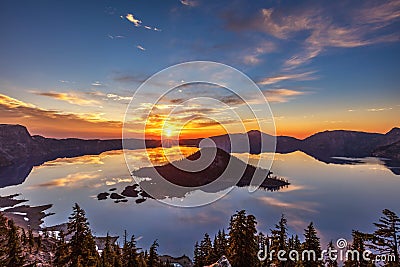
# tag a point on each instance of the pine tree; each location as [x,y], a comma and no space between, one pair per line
[311,243]
[251,240]
[243,245]
[358,245]
[206,249]
[14,256]
[38,243]
[294,244]
[329,261]
[82,245]
[220,247]
[279,239]
[3,238]
[198,260]
[118,256]
[142,259]
[107,256]
[387,235]
[130,255]
[263,244]
[62,251]
[31,240]
[152,260]
[23,236]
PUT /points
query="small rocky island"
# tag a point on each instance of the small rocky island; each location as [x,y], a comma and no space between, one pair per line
[223,168]
[216,170]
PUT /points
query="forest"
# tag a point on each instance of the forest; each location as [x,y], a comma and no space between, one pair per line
[242,244]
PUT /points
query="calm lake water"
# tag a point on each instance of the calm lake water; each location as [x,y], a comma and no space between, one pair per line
[337,198]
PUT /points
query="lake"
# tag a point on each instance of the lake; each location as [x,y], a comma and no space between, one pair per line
[337,198]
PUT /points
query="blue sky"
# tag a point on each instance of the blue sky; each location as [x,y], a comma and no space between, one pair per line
[69,68]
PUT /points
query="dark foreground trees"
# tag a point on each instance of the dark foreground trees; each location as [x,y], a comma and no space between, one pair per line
[241,244]
[386,237]
[81,246]
[14,257]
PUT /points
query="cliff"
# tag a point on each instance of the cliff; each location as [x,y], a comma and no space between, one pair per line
[17,145]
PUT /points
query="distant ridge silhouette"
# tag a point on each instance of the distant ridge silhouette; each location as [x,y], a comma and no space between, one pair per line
[19,151]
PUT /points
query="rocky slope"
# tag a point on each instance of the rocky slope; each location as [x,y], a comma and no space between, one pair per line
[17,146]
[323,145]
[391,151]
[348,143]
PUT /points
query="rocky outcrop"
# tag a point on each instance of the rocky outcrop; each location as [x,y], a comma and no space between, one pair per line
[15,142]
[328,144]
[17,145]
[183,260]
[342,143]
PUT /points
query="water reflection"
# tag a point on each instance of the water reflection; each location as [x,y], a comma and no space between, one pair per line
[17,173]
[337,198]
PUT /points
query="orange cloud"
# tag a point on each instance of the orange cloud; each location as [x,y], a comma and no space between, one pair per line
[306,76]
[72,98]
[281,95]
[54,123]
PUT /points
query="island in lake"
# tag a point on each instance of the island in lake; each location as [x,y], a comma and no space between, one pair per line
[197,172]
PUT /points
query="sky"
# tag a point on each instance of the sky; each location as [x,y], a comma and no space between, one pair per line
[70,68]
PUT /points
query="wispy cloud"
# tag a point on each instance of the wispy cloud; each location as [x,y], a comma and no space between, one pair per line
[378,109]
[97,83]
[71,97]
[118,97]
[381,13]
[141,48]
[305,76]
[134,20]
[201,218]
[189,2]
[281,95]
[302,58]
[317,29]
[253,57]
[115,36]
[129,78]
[138,23]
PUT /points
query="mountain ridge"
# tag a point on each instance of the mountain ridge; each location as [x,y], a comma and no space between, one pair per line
[19,151]
[17,144]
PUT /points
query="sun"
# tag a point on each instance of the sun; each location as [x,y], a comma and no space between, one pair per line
[168,132]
